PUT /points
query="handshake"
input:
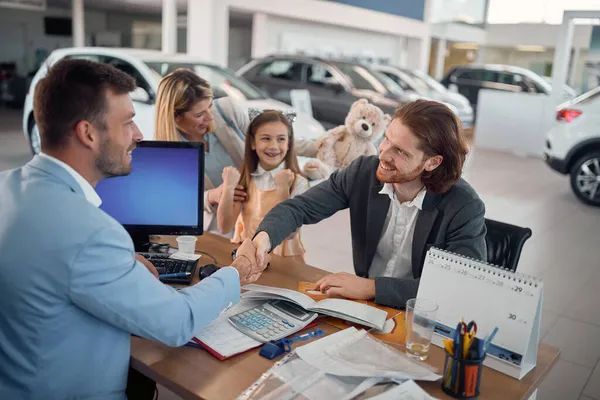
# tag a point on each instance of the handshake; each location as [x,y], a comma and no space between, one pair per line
[252,258]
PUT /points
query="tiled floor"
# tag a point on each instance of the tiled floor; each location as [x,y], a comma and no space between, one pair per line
[564,251]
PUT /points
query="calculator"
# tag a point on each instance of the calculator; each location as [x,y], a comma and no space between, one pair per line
[272,320]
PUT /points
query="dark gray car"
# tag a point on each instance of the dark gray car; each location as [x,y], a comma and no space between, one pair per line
[333,85]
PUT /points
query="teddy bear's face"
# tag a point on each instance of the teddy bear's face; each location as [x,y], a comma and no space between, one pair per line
[366,121]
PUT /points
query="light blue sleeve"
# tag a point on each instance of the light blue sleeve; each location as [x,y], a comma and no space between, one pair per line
[107,282]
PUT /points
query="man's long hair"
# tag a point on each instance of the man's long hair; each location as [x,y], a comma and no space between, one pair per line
[440,133]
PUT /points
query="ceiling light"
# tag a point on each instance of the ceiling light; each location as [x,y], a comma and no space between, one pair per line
[528,47]
[465,46]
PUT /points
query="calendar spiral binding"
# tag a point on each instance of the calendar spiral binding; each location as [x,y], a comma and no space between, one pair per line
[486,267]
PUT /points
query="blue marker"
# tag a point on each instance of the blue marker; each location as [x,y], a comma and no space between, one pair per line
[488,341]
[177,275]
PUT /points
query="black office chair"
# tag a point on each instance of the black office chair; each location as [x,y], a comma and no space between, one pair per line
[504,243]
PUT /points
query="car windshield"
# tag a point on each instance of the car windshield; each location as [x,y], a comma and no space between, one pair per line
[361,78]
[426,81]
[223,82]
[389,83]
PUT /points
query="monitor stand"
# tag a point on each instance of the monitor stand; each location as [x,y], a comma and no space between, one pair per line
[141,242]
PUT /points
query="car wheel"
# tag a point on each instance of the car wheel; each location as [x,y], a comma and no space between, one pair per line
[585,178]
[35,142]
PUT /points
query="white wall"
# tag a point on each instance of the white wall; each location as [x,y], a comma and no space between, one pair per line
[510,35]
[287,35]
[240,46]
[513,122]
[318,23]
[22,33]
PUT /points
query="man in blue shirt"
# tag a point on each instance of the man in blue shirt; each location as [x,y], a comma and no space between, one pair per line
[72,290]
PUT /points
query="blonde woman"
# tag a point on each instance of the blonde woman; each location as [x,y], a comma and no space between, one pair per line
[186,111]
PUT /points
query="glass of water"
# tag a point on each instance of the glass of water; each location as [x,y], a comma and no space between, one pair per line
[420,322]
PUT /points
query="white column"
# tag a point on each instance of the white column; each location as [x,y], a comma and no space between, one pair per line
[440,59]
[480,58]
[425,42]
[574,66]
[169,26]
[260,35]
[562,53]
[78,24]
[402,47]
[208,30]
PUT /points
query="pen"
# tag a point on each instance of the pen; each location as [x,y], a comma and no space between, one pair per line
[175,275]
[488,341]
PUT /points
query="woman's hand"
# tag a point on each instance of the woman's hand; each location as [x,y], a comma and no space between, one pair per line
[214,195]
[284,179]
[231,177]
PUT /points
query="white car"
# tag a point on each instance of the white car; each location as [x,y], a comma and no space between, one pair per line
[424,85]
[573,145]
[148,67]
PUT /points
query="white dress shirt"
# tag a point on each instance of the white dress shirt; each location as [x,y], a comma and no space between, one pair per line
[88,190]
[265,180]
[393,257]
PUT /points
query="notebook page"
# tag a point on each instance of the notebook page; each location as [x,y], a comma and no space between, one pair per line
[351,311]
[222,337]
[292,295]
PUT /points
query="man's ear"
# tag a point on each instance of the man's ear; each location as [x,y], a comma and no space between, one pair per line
[433,162]
[86,134]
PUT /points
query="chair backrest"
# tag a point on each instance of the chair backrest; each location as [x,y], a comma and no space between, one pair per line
[504,243]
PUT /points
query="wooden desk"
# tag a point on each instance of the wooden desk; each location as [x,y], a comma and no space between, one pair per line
[194,374]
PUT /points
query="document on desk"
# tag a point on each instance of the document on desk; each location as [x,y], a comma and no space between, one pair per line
[344,309]
[408,390]
[222,339]
[353,352]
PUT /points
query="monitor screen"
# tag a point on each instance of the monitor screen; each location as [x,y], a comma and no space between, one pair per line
[164,189]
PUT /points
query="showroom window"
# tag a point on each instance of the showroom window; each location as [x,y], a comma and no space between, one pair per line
[318,74]
[286,70]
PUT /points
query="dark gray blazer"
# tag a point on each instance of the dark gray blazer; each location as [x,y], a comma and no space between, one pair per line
[453,221]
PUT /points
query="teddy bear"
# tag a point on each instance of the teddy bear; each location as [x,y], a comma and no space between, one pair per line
[338,147]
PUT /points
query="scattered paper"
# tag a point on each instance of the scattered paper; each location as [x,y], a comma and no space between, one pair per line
[352,352]
[409,390]
[185,256]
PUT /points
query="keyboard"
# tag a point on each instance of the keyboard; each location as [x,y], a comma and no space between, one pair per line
[166,265]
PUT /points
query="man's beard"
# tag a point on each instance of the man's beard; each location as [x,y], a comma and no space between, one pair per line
[112,160]
[401,177]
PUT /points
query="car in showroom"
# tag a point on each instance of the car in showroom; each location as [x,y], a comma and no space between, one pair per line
[418,82]
[469,79]
[148,67]
[573,145]
[333,85]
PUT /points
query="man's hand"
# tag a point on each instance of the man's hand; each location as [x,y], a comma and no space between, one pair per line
[246,264]
[347,285]
[262,244]
[147,264]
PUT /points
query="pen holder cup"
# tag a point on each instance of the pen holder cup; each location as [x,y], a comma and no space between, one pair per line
[465,383]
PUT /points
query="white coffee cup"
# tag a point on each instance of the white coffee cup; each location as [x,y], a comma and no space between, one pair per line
[187,244]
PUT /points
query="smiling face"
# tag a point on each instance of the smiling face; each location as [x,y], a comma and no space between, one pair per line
[400,157]
[119,138]
[271,144]
[196,121]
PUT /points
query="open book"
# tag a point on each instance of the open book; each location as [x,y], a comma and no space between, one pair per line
[339,308]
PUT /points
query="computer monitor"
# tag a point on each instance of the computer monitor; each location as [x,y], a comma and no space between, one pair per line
[163,195]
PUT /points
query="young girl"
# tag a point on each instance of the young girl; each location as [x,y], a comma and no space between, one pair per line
[270,174]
